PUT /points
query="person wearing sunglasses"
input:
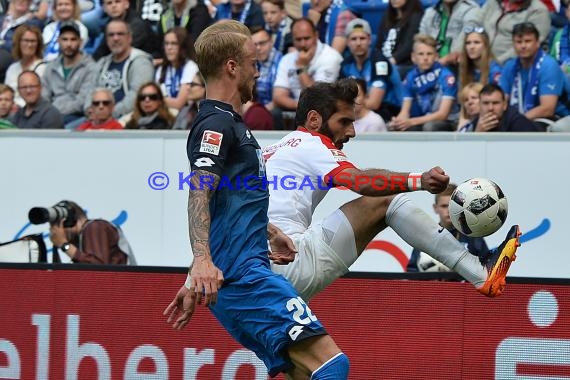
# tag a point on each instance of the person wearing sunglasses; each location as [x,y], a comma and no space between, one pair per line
[150,110]
[498,17]
[477,63]
[101,112]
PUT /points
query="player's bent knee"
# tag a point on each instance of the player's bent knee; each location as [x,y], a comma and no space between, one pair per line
[335,368]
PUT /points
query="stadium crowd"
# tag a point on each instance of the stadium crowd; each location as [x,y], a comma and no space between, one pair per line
[448,65]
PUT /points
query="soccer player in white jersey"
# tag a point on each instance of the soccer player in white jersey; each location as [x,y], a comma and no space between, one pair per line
[312,155]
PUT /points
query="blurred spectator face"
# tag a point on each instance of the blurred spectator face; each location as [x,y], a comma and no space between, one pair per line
[359,43]
[28,45]
[20,7]
[424,56]
[197,89]
[6,103]
[118,38]
[115,8]
[492,103]
[272,14]
[471,103]
[30,88]
[102,105]
[64,10]
[526,45]
[441,208]
[149,100]
[321,4]
[263,44]
[69,44]
[397,4]
[474,45]
[178,2]
[171,47]
[303,36]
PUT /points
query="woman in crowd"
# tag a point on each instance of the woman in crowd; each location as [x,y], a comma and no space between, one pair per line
[28,54]
[469,101]
[196,93]
[63,10]
[177,68]
[396,33]
[477,63]
[150,110]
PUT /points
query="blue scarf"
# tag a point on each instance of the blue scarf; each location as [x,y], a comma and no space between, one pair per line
[527,99]
[327,24]
[424,84]
[52,47]
[242,16]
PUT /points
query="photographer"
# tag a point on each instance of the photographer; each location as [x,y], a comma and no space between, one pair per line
[84,241]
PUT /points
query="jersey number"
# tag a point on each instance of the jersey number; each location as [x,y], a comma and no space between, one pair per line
[299,309]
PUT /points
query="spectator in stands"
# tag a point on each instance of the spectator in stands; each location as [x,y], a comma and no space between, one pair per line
[421,262]
[101,111]
[560,46]
[37,112]
[28,55]
[382,79]
[40,9]
[142,35]
[247,12]
[196,93]
[65,81]
[395,38]
[192,15]
[469,101]
[64,11]
[256,116]
[177,69]
[124,70]
[445,22]
[278,24]
[477,63]
[151,111]
[18,14]
[89,241]
[6,106]
[534,81]
[366,120]
[331,18]
[430,90]
[312,61]
[495,115]
[268,58]
[498,17]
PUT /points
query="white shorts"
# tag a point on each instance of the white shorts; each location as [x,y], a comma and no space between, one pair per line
[325,251]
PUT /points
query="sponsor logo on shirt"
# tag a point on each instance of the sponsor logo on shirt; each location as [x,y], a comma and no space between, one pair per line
[382,68]
[338,155]
[211,142]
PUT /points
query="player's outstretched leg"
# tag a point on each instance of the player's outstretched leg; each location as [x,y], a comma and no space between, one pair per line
[420,231]
[499,262]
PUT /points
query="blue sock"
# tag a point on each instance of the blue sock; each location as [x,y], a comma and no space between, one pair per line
[334,369]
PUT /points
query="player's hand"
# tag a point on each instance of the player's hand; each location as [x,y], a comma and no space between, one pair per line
[435,180]
[206,280]
[180,310]
[283,249]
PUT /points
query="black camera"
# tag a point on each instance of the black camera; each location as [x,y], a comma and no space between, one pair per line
[62,210]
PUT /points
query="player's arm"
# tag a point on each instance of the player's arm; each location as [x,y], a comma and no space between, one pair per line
[206,277]
[282,247]
[546,108]
[380,182]
[374,98]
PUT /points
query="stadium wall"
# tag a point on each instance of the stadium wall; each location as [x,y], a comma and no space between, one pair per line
[110,174]
[83,322]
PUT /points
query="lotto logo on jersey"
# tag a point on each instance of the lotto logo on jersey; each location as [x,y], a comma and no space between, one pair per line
[211,142]
[338,155]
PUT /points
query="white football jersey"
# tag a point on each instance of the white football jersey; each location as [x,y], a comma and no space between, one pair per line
[299,170]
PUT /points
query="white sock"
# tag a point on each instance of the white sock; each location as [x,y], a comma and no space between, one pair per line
[421,232]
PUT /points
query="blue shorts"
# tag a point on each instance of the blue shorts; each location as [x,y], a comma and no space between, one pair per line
[264,313]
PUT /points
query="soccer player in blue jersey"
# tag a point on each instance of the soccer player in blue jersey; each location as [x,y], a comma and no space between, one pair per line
[228,225]
[430,92]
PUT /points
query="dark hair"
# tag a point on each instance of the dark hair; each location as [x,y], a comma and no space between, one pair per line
[304,19]
[324,97]
[185,51]
[279,3]
[391,20]
[257,28]
[163,111]
[525,28]
[362,84]
[447,192]
[488,89]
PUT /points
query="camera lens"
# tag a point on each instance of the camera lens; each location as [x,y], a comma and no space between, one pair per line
[38,215]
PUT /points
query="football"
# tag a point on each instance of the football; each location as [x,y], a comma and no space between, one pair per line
[478,207]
